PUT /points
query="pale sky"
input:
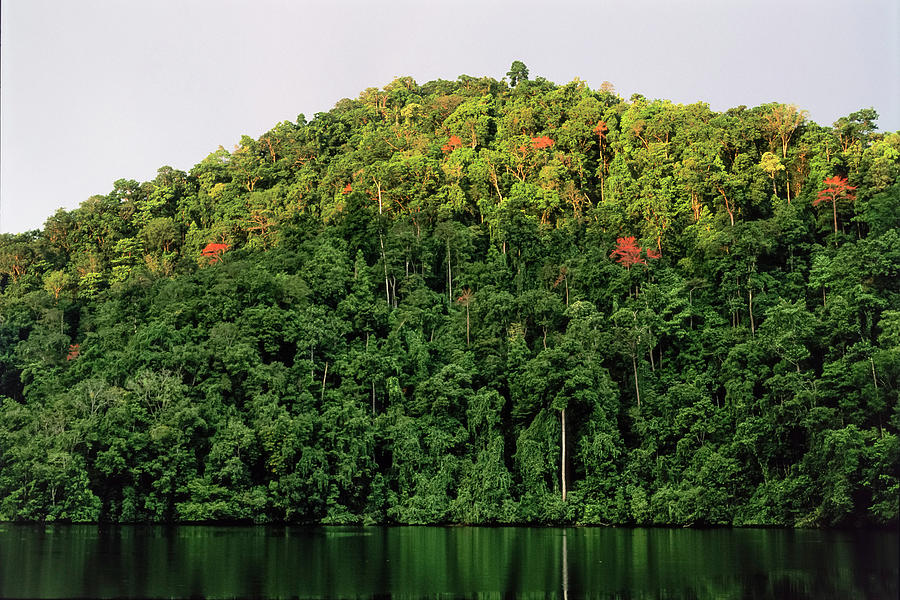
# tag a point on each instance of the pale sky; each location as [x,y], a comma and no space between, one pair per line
[92,91]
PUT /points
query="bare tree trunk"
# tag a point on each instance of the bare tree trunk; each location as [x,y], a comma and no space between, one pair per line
[562,466]
[387,293]
[602,185]
[449,275]
[637,388]
[394,291]
[378,187]
[324,377]
[467,324]
[834,209]
[691,307]
[874,379]
[752,324]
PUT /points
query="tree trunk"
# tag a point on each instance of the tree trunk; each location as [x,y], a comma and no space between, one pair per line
[387,293]
[449,275]
[834,210]
[637,388]
[562,466]
[874,378]
[752,325]
[691,307]
[378,187]
[467,324]
[393,292]
[875,381]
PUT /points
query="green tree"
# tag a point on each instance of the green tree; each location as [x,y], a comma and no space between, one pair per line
[518,72]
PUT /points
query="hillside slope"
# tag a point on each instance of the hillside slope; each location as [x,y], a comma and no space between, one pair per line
[469,302]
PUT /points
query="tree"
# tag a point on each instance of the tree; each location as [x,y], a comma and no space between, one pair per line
[836,188]
[855,127]
[518,72]
[628,252]
[632,333]
[772,165]
[17,254]
[56,281]
[780,123]
[160,235]
[465,299]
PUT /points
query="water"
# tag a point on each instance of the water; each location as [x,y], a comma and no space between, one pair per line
[64,561]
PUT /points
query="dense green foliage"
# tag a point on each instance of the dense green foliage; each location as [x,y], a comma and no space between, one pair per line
[470,302]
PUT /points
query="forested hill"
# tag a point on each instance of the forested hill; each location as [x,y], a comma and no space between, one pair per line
[472,301]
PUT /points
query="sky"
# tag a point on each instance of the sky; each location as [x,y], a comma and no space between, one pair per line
[98,90]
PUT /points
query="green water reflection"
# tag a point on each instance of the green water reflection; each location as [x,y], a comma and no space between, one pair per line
[212,561]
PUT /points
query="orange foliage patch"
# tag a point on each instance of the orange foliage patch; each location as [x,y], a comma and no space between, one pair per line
[347,189]
[214,251]
[541,142]
[452,144]
[74,351]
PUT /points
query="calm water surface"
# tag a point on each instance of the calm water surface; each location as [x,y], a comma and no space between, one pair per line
[64,561]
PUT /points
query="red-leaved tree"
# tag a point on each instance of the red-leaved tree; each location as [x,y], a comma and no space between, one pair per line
[452,144]
[214,251]
[541,142]
[836,188]
[628,252]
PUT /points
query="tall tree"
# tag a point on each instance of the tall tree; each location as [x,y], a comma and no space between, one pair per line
[518,73]
[836,189]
